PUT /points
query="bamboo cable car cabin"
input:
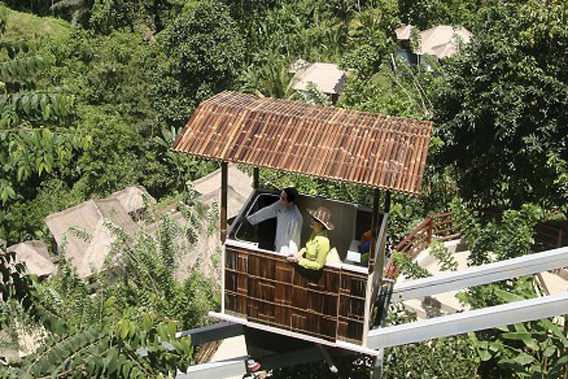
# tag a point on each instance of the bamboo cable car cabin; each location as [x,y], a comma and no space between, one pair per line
[333,306]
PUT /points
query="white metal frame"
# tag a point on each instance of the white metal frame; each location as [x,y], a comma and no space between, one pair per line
[288,333]
[484,274]
[479,319]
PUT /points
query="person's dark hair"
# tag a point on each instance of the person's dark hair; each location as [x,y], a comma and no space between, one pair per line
[291,194]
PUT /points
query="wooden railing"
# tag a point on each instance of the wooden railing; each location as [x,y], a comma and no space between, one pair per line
[440,227]
[548,236]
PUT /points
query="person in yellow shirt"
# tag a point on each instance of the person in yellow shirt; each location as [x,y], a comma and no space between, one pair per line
[314,254]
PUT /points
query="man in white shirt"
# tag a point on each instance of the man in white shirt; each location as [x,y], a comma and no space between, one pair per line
[288,221]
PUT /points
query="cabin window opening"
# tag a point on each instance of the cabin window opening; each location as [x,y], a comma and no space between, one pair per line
[264,233]
[350,221]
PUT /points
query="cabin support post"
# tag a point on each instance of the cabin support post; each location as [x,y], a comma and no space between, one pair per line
[223,213]
[255,178]
[374,222]
[379,250]
[328,359]
[378,365]
[388,202]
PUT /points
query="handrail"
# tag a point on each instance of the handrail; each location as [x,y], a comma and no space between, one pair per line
[439,226]
[553,237]
[446,230]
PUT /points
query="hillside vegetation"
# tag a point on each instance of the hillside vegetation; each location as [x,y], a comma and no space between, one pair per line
[23,25]
[94,92]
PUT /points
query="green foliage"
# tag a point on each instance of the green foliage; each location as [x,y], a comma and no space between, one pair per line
[515,351]
[313,95]
[149,16]
[453,357]
[527,350]
[313,31]
[185,167]
[399,92]
[126,327]
[18,26]
[204,51]
[502,107]
[363,59]
[36,141]
[428,13]
[408,267]
[371,31]
[78,9]
[508,237]
[445,259]
[269,78]
[148,264]
[90,110]
[343,191]
[111,348]
[15,283]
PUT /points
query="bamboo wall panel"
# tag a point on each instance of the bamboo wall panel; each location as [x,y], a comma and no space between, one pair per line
[265,288]
[353,146]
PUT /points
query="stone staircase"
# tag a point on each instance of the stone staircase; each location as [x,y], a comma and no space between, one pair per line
[447,303]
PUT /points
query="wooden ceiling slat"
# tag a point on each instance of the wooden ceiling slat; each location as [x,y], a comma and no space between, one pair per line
[301,164]
[421,157]
[336,133]
[354,124]
[344,145]
[367,143]
[379,136]
[410,162]
[347,145]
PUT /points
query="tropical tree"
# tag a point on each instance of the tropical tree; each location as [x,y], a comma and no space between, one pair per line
[116,326]
[36,136]
[532,349]
[78,9]
[269,79]
[204,51]
[427,13]
[502,109]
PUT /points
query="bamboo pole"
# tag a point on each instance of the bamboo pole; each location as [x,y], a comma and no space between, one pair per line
[255,178]
[374,222]
[223,213]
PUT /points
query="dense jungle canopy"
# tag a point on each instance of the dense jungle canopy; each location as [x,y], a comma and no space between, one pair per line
[94,92]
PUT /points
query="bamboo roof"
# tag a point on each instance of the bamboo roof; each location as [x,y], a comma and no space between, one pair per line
[332,143]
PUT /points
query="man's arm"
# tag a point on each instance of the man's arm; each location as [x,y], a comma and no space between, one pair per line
[263,214]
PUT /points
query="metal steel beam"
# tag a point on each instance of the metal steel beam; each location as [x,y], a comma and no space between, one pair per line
[212,333]
[488,273]
[237,366]
[479,319]
[220,369]
[301,336]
